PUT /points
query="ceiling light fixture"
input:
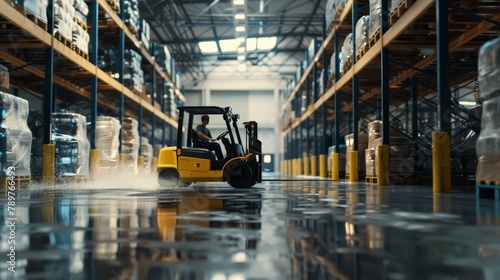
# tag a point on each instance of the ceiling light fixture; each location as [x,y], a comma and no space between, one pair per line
[241,49]
[240,28]
[240,16]
[238,2]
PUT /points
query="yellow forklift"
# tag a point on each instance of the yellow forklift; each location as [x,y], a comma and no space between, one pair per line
[183,165]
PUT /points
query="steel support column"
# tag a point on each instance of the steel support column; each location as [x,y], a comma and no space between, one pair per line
[94,8]
[414,109]
[355,80]
[336,137]
[121,58]
[163,123]
[48,96]
[324,58]
[315,98]
[444,97]
[153,99]
[383,162]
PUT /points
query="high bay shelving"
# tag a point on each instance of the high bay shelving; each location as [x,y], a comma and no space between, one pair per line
[42,64]
[396,70]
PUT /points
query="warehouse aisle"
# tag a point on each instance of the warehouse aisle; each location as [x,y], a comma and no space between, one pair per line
[277,230]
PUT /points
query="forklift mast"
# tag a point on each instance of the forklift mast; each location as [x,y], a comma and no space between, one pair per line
[254,146]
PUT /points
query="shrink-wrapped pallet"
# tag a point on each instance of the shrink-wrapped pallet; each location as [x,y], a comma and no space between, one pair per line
[362,28]
[38,8]
[346,50]
[329,12]
[489,69]
[147,152]
[69,134]
[488,143]
[80,38]
[375,17]
[15,136]
[107,140]
[370,162]
[130,143]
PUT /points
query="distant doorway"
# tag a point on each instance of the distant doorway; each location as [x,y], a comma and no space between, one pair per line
[268,162]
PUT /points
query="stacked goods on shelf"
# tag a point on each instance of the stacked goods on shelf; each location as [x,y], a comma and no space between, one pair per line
[133,76]
[170,104]
[349,145]
[375,17]
[332,66]
[488,143]
[400,154]
[38,8]
[163,57]
[107,61]
[15,136]
[394,4]
[346,62]
[80,39]
[69,134]
[64,13]
[362,32]
[130,143]
[329,12]
[107,140]
[81,11]
[178,82]
[144,35]
[147,152]
[131,15]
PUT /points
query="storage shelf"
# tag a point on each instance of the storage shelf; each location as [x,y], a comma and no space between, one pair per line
[44,39]
[395,38]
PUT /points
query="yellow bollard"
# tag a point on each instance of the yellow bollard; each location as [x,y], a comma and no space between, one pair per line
[307,165]
[49,164]
[322,166]
[441,170]
[289,168]
[299,167]
[354,166]
[94,163]
[142,163]
[154,163]
[122,159]
[335,166]
[314,166]
[383,165]
[294,167]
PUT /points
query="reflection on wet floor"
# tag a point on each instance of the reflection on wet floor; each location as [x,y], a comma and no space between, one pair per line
[276,230]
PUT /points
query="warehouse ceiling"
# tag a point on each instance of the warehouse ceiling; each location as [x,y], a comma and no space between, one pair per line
[183,24]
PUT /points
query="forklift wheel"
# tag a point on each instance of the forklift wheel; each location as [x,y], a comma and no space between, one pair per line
[238,174]
[168,178]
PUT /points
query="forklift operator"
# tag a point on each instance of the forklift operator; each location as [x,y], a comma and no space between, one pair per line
[206,137]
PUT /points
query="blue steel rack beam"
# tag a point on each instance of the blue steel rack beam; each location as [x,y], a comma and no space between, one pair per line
[94,8]
[49,73]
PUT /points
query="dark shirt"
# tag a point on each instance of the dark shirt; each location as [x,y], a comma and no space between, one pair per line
[205,131]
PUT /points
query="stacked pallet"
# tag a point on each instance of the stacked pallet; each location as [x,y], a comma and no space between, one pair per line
[488,143]
[131,16]
[144,34]
[107,140]
[15,136]
[133,75]
[69,134]
[362,36]
[147,152]
[347,53]
[130,143]
[163,58]
[64,14]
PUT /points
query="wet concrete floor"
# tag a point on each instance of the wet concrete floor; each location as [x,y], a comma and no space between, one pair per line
[276,230]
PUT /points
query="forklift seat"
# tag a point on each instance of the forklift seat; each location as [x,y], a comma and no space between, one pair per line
[197,142]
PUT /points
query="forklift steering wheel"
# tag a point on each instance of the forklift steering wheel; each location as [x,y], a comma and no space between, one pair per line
[222,135]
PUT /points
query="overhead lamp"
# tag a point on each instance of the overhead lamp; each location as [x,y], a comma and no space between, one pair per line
[240,28]
[241,39]
[240,16]
[238,2]
[241,49]
[467,103]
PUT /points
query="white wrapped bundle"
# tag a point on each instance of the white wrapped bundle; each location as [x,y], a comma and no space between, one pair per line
[362,32]
[488,143]
[107,140]
[489,69]
[346,49]
[69,134]
[14,124]
[130,142]
[81,38]
[329,11]
[375,16]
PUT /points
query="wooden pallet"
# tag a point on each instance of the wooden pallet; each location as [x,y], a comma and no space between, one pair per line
[72,179]
[81,24]
[372,179]
[374,39]
[483,187]
[133,30]
[19,181]
[113,5]
[134,90]
[37,21]
[339,11]
[400,10]
[81,53]
[66,42]
[362,52]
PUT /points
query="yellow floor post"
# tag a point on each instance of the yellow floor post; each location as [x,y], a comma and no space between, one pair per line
[322,166]
[441,170]
[290,168]
[294,167]
[122,159]
[142,163]
[49,164]
[335,166]
[353,168]
[383,165]
[307,165]
[94,163]
[154,163]
[299,167]
[314,165]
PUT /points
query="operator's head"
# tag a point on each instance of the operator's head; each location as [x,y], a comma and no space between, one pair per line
[205,119]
